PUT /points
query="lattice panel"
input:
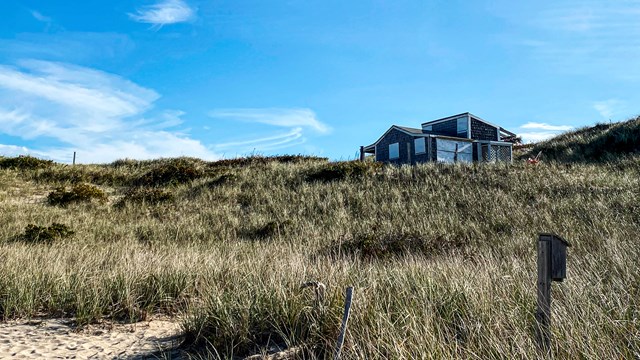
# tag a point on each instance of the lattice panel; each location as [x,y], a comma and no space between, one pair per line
[500,153]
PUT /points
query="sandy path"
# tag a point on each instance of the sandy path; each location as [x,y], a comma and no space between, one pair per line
[58,339]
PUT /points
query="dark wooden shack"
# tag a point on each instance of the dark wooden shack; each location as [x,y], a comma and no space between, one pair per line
[458,138]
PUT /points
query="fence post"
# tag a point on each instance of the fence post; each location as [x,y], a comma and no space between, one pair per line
[552,262]
[345,319]
[74,158]
[544,292]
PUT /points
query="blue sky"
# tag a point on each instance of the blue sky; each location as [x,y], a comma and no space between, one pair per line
[218,79]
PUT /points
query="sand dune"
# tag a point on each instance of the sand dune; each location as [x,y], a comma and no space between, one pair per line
[58,339]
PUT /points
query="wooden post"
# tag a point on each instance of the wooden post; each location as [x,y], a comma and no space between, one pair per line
[552,266]
[361,153]
[345,319]
[74,158]
[544,291]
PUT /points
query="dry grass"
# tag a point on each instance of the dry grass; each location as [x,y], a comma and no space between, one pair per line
[230,252]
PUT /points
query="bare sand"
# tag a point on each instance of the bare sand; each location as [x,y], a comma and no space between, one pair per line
[59,339]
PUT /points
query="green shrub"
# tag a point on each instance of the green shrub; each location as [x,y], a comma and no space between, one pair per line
[146,196]
[78,193]
[343,170]
[24,163]
[173,172]
[41,234]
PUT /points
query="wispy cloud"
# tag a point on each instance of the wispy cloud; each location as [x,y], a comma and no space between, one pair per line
[545,126]
[38,16]
[537,131]
[297,120]
[100,115]
[74,47]
[609,108]
[164,13]
[303,118]
[596,37]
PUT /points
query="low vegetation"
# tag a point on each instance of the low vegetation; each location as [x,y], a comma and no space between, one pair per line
[442,258]
[46,234]
[77,194]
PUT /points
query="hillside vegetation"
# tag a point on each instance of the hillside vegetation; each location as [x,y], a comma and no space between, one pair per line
[599,143]
[442,257]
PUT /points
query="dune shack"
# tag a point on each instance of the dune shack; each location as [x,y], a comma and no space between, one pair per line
[458,138]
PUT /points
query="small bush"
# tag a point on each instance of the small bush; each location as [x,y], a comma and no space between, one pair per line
[24,163]
[41,234]
[343,170]
[174,172]
[146,196]
[79,193]
[376,246]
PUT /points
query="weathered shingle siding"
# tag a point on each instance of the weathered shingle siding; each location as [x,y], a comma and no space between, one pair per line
[448,128]
[483,131]
[404,141]
[394,136]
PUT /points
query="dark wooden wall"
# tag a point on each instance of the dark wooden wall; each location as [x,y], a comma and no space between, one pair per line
[483,131]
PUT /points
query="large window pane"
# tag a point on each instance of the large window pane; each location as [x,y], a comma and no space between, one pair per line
[394,151]
[419,145]
[463,126]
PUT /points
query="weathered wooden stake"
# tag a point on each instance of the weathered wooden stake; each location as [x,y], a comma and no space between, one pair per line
[552,266]
[361,153]
[345,319]
[544,292]
[74,158]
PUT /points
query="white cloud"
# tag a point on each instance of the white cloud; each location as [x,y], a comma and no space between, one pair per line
[545,126]
[164,13]
[291,118]
[536,136]
[540,131]
[38,16]
[608,108]
[268,143]
[101,116]
[13,150]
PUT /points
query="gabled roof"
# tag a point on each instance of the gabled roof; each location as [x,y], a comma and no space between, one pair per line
[404,129]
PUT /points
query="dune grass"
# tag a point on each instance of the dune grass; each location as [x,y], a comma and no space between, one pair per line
[442,258]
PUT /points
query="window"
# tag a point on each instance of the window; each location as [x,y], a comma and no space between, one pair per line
[394,151]
[428,128]
[463,126]
[419,145]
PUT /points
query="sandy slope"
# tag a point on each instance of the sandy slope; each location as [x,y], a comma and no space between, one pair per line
[58,339]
